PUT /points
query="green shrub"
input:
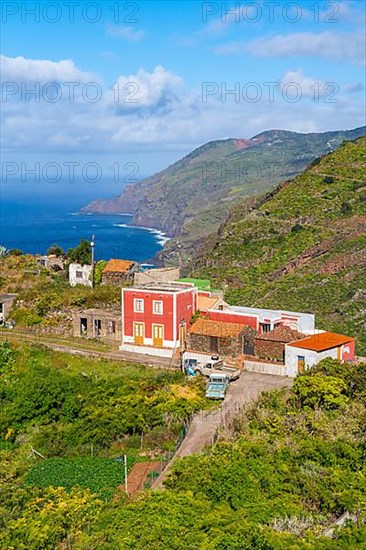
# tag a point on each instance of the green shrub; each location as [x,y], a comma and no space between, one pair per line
[98,270]
[319,391]
[24,316]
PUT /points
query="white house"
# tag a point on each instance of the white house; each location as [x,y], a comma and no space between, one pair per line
[6,303]
[80,275]
[306,353]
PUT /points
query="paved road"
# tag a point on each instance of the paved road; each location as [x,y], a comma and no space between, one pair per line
[204,424]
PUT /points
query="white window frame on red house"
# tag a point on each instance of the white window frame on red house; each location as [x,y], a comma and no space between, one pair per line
[160,302]
[138,309]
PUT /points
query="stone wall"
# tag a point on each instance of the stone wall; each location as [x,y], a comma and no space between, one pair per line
[115,278]
[269,349]
[103,324]
[225,347]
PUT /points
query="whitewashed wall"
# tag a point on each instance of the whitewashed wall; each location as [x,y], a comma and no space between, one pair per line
[86,275]
[311,358]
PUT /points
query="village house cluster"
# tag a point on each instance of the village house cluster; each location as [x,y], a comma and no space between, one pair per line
[163,315]
[166,316]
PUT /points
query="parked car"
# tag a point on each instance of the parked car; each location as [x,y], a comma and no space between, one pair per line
[217,386]
[194,367]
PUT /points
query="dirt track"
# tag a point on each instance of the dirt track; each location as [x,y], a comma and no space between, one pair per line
[204,424]
[115,355]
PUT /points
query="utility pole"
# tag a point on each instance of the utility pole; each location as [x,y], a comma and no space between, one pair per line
[92,244]
[180,259]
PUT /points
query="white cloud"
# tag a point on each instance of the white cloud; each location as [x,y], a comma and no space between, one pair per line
[309,86]
[354,88]
[327,45]
[128,33]
[20,69]
[165,117]
[145,89]
[230,15]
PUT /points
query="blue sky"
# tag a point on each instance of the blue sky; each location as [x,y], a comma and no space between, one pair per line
[164,57]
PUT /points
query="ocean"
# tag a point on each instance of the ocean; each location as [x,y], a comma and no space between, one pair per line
[33,218]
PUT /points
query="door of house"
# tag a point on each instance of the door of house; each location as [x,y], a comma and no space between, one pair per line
[83,326]
[214,344]
[300,363]
[138,333]
[158,335]
[248,347]
[182,335]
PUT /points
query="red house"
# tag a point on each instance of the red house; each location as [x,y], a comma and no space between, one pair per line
[155,317]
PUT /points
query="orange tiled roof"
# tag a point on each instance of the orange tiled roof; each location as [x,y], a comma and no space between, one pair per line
[322,341]
[118,266]
[220,329]
[206,302]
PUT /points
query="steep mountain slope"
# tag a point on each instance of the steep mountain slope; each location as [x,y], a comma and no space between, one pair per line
[191,198]
[303,246]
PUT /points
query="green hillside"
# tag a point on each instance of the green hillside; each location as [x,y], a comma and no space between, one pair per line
[302,247]
[190,199]
[278,476]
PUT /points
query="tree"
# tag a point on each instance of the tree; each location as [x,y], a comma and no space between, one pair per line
[81,254]
[98,270]
[319,391]
[15,252]
[56,250]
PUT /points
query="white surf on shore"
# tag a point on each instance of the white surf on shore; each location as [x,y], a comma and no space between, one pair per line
[161,237]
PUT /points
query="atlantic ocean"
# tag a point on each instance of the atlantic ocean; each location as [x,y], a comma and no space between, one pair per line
[33,217]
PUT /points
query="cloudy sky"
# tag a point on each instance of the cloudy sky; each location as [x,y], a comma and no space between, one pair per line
[146,82]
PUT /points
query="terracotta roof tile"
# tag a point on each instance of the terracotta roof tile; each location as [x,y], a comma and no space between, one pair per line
[118,266]
[322,341]
[206,327]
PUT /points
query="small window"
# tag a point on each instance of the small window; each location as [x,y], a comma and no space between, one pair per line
[266,327]
[79,274]
[158,307]
[111,327]
[138,305]
[1,307]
